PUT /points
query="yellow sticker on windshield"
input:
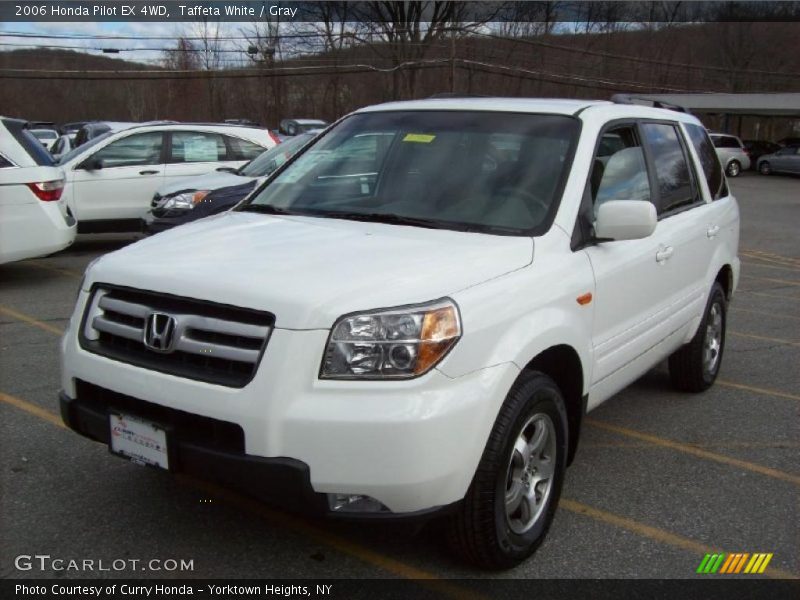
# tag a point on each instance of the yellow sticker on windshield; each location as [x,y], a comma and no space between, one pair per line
[421,138]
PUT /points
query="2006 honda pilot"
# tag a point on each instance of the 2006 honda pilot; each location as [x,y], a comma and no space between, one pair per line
[413,315]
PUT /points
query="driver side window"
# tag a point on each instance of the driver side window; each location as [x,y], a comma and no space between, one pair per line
[619,171]
[134,150]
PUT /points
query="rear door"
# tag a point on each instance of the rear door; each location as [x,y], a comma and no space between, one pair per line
[685,222]
[193,152]
[115,196]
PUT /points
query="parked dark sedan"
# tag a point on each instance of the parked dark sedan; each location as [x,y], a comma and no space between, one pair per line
[215,202]
[193,198]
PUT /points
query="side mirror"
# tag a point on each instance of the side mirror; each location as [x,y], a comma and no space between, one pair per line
[619,220]
[92,164]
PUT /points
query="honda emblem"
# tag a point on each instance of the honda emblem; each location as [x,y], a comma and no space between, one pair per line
[159,332]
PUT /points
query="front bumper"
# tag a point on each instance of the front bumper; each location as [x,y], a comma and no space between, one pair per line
[150,224]
[412,445]
[281,481]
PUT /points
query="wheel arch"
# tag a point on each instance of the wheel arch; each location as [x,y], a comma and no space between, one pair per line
[725,279]
[563,364]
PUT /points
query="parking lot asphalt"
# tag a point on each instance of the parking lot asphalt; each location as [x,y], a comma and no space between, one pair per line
[660,477]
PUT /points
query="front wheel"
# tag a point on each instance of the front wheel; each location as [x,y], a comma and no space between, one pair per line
[764,168]
[694,366]
[513,496]
[734,168]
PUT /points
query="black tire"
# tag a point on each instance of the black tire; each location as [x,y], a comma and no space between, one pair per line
[688,366]
[480,531]
[764,168]
[734,168]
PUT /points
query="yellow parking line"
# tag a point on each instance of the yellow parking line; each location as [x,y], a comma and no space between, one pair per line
[695,451]
[33,409]
[763,255]
[771,266]
[766,295]
[390,564]
[10,312]
[764,313]
[772,280]
[757,390]
[764,338]
[40,265]
[653,533]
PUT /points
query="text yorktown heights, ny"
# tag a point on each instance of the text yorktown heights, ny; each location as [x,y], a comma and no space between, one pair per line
[153,590]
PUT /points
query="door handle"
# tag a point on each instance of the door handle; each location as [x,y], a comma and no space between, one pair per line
[664,253]
[148,172]
[712,231]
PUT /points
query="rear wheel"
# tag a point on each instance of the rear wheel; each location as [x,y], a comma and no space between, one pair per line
[694,367]
[512,499]
[765,168]
[734,168]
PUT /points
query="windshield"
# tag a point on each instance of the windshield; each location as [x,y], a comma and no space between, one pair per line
[477,171]
[266,162]
[82,148]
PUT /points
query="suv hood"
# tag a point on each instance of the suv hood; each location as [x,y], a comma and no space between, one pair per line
[309,271]
[210,181]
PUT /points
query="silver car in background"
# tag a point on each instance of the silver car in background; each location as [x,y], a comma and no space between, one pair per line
[731,153]
[785,160]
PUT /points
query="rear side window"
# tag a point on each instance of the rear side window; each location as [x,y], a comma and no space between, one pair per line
[712,168]
[29,143]
[675,185]
[4,162]
[244,150]
[725,141]
[198,146]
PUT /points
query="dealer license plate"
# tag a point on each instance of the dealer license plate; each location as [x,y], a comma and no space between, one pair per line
[142,442]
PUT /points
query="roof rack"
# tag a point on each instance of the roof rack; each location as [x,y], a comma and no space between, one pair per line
[445,95]
[628,99]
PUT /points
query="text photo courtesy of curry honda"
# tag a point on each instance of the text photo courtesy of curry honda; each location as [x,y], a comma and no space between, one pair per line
[391,299]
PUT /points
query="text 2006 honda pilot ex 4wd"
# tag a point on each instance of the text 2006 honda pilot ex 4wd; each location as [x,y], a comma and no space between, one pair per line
[412,316]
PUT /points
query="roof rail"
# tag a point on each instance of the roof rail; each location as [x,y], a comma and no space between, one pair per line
[629,99]
[445,95]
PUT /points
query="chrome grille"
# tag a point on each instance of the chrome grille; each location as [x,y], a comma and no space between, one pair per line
[208,342]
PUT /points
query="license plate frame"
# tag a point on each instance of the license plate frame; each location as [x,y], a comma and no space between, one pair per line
[141,441]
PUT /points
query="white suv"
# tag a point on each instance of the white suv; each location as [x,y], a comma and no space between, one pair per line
[412,316]
[34,218]
[111,178]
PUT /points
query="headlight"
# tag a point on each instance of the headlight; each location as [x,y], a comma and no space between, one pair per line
[391,344]
[184,201]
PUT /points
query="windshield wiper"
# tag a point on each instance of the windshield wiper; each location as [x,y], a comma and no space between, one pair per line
[267,209]
[388,218]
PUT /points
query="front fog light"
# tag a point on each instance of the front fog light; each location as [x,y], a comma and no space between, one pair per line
[391,344]
[354,503]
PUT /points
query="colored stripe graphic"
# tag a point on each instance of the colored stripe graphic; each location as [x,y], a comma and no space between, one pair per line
[734,563]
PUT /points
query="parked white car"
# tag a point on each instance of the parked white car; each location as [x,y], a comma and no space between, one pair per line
[34,219]
[732,153]
[412,316]
[111,178]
